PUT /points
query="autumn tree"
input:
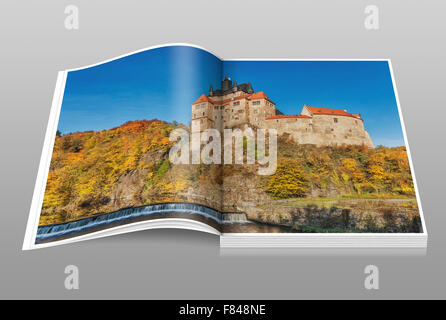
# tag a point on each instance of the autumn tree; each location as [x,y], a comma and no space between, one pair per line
[289,181]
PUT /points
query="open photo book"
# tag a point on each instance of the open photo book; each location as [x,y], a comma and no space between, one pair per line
[260,152]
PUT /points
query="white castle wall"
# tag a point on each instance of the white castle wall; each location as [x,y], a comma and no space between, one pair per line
[322,130]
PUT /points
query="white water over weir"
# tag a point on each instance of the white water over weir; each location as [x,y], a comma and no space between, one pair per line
[234,217]
[64,229]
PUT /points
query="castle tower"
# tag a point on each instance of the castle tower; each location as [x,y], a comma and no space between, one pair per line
[232,105]
[226,84]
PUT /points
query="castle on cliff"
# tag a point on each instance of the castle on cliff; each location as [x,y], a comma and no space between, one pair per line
[236,105]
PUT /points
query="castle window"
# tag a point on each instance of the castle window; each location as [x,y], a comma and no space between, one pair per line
[236,103]
[256,111]
[256,103]
[203,113]
[335,120]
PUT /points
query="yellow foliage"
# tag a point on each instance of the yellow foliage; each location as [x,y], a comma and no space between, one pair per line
[355,168]
[85,166]
[288,181]
[349,164]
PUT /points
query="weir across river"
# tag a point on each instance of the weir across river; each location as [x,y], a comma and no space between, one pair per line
[50,232]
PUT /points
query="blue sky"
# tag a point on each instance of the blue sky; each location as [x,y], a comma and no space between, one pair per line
[163,83]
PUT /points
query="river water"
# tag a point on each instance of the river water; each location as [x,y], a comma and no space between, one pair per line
[254,227]
[232,222]
[129,215]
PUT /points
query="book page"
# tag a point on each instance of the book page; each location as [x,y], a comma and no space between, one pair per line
[123,145]
[336,160]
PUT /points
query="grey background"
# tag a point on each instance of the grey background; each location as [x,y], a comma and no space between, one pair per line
[181,264]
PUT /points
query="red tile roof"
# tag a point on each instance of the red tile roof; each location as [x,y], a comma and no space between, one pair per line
[332,112]
[259,95]
[292,116]
[252,96]
[204,98]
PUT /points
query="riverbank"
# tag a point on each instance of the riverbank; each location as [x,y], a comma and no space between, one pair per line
[341,214]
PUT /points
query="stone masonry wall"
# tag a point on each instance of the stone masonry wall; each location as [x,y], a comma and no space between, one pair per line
[319,129]
[322,130]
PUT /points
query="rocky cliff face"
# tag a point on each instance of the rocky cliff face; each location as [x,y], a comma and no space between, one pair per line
[380,216]
[331,213]
[100,172]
